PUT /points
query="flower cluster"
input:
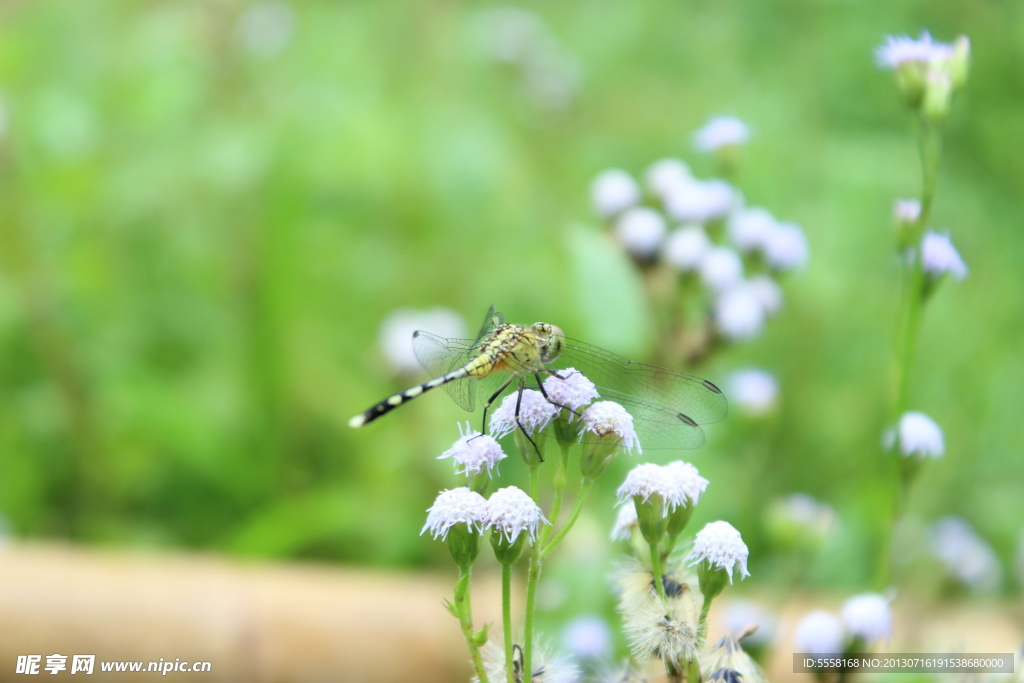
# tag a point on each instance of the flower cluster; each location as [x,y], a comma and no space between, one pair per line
[865,620]
[928,72]
[705,233]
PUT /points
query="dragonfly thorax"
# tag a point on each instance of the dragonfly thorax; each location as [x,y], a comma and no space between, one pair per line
[550,339]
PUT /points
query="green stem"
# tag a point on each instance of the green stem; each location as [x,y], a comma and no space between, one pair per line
[506,618]
[561,480]
[464,609]
[693,671]
[532,580]
[656,569]
[702,624]
[581,498]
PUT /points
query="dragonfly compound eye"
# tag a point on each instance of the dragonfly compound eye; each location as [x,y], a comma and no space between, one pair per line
[552,338]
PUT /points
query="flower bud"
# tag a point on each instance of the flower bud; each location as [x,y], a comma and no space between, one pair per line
[960,62]
[718,552]
[938,95]
[607,429]
[513,518]
[456,518]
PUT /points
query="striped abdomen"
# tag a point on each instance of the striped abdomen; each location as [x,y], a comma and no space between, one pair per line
[392,402]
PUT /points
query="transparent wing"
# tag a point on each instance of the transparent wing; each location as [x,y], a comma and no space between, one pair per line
[667,406]
[439,356]
[491,320]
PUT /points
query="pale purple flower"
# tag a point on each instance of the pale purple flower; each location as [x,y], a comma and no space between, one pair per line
[819,633]
[899,50]
[474,452]
[641,231]
[756,391]
[721,131]
[607,417]
[535,413]
[686,248]
[868,616]
[939,256]
[750,228]
[574,392]
[721,546]
[613,191]
[457,506]
[721,269]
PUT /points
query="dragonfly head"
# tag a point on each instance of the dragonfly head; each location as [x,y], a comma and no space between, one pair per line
[551,339]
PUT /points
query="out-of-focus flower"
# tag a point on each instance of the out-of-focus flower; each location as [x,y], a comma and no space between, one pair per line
[868,616]
[917,434]
[966,555]
[641,231]
[474,452]
[767,291]
[614,191]
[396,331]
[548,666]
[739,314]
[755,391]
[906,211]
[721,269]
[700,201]
[740,616]
[819,633]
[898,51]
[939,256]
[625,522]
[588,637]
[786,247]
[663,177]
[800,520]
[535,413]
[686,248]
[553,77]
[457,506]
[721,131]
[265,28]
[510,512]
[750,228]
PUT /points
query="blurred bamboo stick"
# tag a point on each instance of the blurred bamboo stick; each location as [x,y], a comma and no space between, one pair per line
[253,622]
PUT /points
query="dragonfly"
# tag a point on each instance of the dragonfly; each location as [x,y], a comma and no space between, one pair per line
[668,407]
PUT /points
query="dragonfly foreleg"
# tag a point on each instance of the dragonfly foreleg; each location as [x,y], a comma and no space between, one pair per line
[492,399]
[519,401]
[540,385]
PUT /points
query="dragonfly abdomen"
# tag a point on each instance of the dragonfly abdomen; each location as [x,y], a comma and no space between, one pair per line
[392,402]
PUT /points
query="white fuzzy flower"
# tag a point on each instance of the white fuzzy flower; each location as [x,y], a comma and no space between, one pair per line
[966,555]
[721,131]
[548,666]
[749,228]
[647,480]
[918,435]
[739,314]
[700,201]
[786,247]
[721,546]
[906,211]
[686,248]
[535,412]
[396,331]
[575,391]
[626,522]
[691,484]
[939,256]
[900,50]
[654,630]
[867,615]
[474,452]
[755,391]
[641,231]
[665,175]
[588,637]
[614,191]
[510,511]
[457,506]
[607,417]
[767,291]
[265,28]
[721,269]
[819,633]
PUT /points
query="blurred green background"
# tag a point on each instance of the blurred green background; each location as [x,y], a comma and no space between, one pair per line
[208,208]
